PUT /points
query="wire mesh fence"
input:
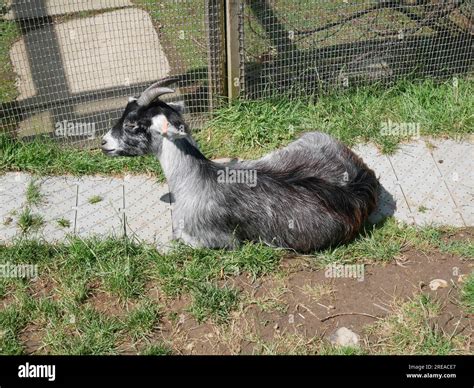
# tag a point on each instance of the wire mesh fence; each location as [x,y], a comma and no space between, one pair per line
[67,66]
[311,46]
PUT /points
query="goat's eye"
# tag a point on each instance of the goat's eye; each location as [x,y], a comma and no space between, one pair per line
[132,127]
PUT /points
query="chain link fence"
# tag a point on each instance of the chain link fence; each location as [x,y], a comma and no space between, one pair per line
[67,66]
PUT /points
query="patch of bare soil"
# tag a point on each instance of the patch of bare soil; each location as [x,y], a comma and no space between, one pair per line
[307,304]
[6,301]
[464,234]
[299,302]
[32,339]
[43,287]
[110,305]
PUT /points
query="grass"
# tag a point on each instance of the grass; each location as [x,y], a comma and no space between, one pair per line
[29,221]
[296,344]
[249,129]
[9,33]
[383,242]
[468,293]
[68,324]
[318,291]
[460,248]
[121,267]
[412,329]
[33,193]
[42,156]
[142,320]
[95,199]
[196,271]
[80,270]
[188,40]
[157,350]
[12,320]
[211,301]
[84,331]
[63,223]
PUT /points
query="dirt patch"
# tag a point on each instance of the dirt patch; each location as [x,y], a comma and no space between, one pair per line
[43,287]
[463,234]
[108,304]
[7,300]
[32,339]
[297,307]
[307,304]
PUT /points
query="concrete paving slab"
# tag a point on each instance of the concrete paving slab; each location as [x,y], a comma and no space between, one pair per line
[37,124]
[423,187]
[19,58]
[391,200]
[22,9]
[147,214]
[112,49]
[104,217]
[454,161]
[97,106]
[12,199]
[58,206]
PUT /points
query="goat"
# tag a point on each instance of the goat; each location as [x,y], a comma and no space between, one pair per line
[313,193]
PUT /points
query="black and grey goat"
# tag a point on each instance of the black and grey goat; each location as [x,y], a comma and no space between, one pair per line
[311,194]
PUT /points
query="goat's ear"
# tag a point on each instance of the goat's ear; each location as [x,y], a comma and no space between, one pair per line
[178,106]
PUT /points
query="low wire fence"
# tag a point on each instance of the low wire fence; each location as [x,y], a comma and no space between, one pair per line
[67,67]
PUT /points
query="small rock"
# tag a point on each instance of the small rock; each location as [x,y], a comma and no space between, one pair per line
[344,337]
[437,283]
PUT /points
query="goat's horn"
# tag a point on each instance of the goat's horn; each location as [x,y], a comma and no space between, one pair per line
[154,91]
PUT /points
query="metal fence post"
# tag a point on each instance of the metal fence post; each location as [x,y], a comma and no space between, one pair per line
[232,10]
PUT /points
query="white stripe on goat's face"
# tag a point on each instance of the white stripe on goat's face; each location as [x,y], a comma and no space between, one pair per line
[141,128]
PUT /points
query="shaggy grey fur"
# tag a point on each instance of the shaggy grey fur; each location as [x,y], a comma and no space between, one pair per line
[312,194]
